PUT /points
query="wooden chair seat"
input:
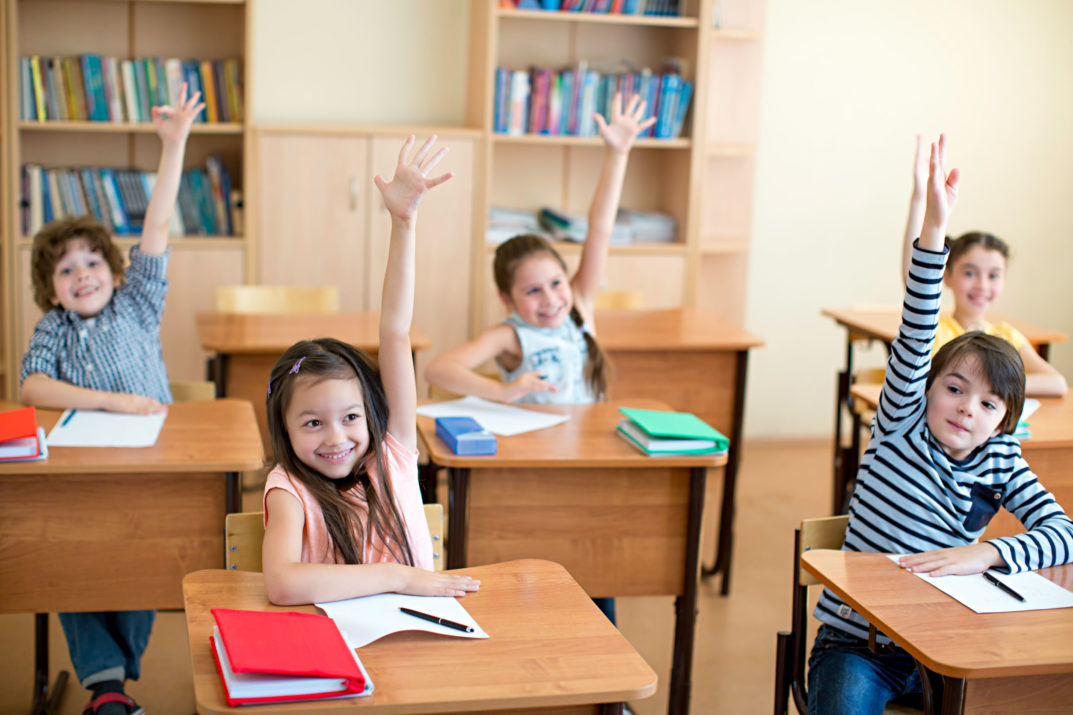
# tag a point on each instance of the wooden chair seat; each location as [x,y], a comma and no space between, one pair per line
[277,299]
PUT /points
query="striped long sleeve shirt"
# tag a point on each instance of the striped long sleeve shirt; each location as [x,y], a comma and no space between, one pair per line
[911,496]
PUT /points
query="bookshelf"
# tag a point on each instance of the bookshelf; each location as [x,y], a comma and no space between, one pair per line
[123,29]
[704,178]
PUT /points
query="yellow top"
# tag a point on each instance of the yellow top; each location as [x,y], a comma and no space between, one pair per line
[949,329]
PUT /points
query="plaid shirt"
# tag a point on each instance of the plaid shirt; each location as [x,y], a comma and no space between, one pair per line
[118,350]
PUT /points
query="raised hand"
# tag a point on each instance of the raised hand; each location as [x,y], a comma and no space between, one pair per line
[403,193]
[942,196]
[173,123]
[626,124]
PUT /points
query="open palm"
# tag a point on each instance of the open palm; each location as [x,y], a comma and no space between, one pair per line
[403,193]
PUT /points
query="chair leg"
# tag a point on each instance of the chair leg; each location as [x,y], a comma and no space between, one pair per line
[782,672]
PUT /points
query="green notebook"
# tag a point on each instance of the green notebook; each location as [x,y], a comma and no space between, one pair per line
[664,431]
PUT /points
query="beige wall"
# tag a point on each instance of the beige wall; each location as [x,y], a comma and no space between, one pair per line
[847,84]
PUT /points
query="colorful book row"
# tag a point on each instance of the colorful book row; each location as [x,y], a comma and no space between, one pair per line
[543,101]
[105,89]
[611,7]
[118,198]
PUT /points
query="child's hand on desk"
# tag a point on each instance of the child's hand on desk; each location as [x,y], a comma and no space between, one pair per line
[433,583]
[960,560]
[133,404]
[173,123]
[625,125]
[524,384]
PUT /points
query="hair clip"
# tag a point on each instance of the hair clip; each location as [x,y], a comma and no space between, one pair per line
[269,388]
[297,366]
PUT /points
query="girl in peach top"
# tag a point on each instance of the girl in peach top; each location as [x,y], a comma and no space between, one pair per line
[343,515]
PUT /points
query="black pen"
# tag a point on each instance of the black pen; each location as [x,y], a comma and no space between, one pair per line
[992,580]
[436,619]
[68,418]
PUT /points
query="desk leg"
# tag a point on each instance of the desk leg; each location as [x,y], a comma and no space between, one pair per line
[685,606]
[725,542]
[216,369]
[841,478]
[457,507]
[943,694]
[233,494]
[46,700]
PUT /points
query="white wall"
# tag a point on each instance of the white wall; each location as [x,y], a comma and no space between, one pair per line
[847,85]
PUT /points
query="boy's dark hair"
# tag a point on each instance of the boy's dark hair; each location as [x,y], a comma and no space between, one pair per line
[509,255]
[325,359]
[1001,365]
[960,245]
[51,243]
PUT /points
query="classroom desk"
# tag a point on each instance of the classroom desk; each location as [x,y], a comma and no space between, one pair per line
[1049,451]
[550,650]
[246,346]
[623,524]
[111,529]
[695,362]
[882,324]
[986,662]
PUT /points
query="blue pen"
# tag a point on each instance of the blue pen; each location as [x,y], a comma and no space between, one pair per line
[68,418]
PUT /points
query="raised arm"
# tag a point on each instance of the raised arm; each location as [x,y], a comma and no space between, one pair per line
[173,127]
[942,194]
[402,195]
[915,218]
[626,124]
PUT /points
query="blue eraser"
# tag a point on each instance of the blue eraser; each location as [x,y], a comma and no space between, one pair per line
[464,435]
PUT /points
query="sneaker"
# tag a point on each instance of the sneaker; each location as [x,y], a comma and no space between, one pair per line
[113,703]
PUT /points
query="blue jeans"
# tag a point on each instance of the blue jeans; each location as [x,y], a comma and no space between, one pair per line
[107,645]
[844,677]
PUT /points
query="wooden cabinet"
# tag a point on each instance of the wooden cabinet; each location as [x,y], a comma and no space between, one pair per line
[322,221]
[188,29]
[703,179]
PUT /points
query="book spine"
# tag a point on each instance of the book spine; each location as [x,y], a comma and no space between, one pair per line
[684,95]
[27,104]
[519,97]
[85,180]
[130,91]
[57,93]
[113,89]
[36,191]
[115,202]
[209,85]
[142,90]
[233,77]
[555,103]
[173,71]
[668,103]
[40,101]
[93,72]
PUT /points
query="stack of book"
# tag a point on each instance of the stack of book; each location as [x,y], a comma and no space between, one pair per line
[612,7]
[95,88]
[118,199]
[568,227]
[661,433]
[562,102]
[21,439]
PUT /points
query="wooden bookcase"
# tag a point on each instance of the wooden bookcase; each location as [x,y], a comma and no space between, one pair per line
[189,29]
[704,179]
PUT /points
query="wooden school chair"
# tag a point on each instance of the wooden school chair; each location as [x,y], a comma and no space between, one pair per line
[790,656]
[244,532]
[619,300]
[193,390]
[277,299]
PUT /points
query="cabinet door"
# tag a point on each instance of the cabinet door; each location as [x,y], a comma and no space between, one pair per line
[311,213]
[444,238]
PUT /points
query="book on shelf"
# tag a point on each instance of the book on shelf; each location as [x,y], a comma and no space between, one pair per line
[568,227]
[21,439]
[661,432]
[612,7]
[97,88]
[278,656]
[504,224]
[118,198]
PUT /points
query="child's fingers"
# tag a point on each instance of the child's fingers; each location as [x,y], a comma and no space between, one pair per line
[379,182]
[942,150]
[632,107]
[601,123]
[406,149]
[647,123]
[435,159]
[439,179]
[423,151]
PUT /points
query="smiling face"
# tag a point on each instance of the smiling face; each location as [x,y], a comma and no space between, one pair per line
[963,410]
[82,281]
[327,426]
[977,279]
[540,292]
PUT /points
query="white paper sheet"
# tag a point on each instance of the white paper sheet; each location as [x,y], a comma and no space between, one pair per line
[497,418]
[92,428]
[366,619]
[980,595]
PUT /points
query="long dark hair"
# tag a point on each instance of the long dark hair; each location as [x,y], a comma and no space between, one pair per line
[509,255]
[324,359]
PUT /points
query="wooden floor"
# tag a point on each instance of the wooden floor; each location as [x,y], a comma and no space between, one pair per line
[780,484]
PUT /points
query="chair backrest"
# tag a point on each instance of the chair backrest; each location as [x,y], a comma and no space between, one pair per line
[277,299]
[193,390]
[244,533]
[619,300]
[822,533]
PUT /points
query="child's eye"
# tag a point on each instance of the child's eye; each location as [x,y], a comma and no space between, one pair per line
[312,423]
[65,271]
[352,417]
[990,405]
[954,389]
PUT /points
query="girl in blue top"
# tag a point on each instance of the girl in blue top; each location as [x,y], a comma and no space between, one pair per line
[546,350]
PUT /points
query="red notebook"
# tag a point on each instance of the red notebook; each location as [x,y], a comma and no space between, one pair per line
[272,656]
[20,438]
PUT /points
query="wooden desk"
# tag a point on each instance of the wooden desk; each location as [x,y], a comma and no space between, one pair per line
[696,362]
[114,529]
[550,650]
[987,662]
[623,524]
[1049,451]
[246,346]
[882,324]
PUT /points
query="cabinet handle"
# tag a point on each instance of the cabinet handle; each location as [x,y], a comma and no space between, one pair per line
[355,190]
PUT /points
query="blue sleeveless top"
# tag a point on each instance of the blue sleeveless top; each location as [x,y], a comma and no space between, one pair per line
[558,353]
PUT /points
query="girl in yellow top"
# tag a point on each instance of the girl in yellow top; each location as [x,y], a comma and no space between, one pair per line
[976,275]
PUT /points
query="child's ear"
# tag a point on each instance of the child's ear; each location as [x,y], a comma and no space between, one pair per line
[505,297]
[55,299]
